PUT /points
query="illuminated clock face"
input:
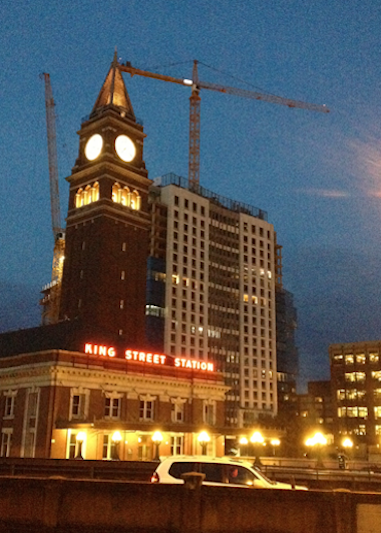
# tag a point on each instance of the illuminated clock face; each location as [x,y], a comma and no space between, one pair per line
[93,147]
[125,148]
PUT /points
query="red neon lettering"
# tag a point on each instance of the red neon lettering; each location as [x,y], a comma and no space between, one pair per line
[111,352]
[88,348]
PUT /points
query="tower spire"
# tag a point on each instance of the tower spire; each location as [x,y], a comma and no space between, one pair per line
[113,92]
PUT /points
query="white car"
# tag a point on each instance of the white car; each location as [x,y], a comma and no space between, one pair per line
[219,471]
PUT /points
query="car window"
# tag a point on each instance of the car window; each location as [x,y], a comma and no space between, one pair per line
[213,472]
[177,469]
[239,475]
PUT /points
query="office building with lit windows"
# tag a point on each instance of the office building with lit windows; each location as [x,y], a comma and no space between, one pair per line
[211,290]
[356,391]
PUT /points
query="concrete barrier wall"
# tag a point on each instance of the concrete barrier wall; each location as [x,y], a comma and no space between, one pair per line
[75,505]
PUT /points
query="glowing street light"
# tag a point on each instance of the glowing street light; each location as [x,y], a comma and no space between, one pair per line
[203,440]
[258,441]
[243,442]
[116,439]
[80,438]
[347,444]
[275,443]
[317,441]
[157,439]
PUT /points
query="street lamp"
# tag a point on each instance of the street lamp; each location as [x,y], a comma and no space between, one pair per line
[157,439]
[243,442]
[258,440]
[275,443]
[347,445]
[203,440]
[317,441]
[80,438]
[116,439]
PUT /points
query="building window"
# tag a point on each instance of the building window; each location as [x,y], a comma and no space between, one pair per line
[6,442]
[109,450]
[146,409]
[177,445]
[123,195]
[209,412]
[177,412]
[9,404]
[87,195]
[112,407]
[74,448]
[78,404]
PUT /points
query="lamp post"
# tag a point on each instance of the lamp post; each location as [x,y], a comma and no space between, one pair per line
[157,439]
[80,438]
[275,443]
[347,445]
[203,440]
[258,440]
[116,439]
[243,442]
[317,441]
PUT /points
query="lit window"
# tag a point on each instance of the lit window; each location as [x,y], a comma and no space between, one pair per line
[125,197]
[373,357]
[360,358]
[177,445]
[349,359]
[87,196]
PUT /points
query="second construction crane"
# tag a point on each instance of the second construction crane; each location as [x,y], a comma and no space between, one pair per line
[195,100]
[52,291]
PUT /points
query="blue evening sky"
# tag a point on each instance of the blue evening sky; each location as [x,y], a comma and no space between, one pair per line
[317,175]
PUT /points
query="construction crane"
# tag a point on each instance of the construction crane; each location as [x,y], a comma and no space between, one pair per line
[195,103]
[52,291]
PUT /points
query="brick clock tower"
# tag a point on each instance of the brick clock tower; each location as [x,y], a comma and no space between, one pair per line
[104,276]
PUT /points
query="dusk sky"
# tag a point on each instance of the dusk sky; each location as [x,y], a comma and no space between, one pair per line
[317,175]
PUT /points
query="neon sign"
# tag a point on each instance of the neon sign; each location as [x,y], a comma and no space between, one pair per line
[149,357]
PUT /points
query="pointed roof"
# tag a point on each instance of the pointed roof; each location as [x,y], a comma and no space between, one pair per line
[114,91]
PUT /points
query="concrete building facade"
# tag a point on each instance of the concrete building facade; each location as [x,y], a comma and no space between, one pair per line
[211,291]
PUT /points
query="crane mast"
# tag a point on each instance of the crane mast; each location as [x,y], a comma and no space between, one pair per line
[52,291]
[195,108]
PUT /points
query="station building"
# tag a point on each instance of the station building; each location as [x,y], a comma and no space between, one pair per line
[71,394]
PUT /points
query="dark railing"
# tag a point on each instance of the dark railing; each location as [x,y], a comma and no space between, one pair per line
[80,469]
[228,203]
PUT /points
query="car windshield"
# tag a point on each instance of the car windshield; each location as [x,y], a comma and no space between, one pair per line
[261,475]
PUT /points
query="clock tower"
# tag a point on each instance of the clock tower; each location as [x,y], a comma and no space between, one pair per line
[104,276]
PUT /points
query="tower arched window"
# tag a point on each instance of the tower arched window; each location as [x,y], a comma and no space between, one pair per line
[95,192]
[79,198]
[87,196]
[135,201]
[116,193]
[125,197]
